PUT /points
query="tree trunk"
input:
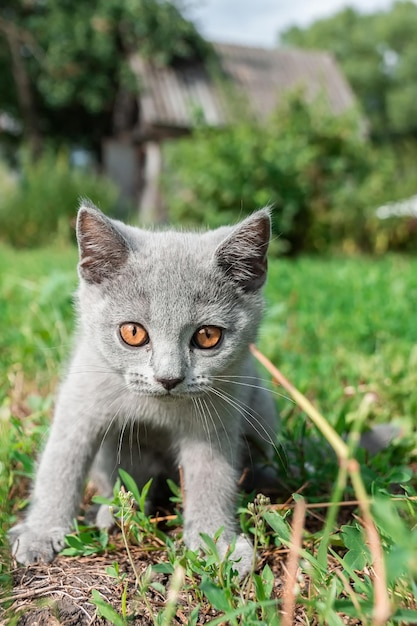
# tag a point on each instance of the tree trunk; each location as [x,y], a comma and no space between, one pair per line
[23,87]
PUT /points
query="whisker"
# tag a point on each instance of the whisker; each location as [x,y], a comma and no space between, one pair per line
[117,413]
[227,408]
[138,440]
[120,441]
[203,415]
[216,430]
[81,372]
[225,379]
[132,426]
[248,413]
[225,430]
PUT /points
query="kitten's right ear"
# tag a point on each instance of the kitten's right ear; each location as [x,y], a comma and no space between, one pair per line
[242,255]
[103,249]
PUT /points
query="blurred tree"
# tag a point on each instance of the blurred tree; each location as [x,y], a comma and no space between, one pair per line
[379,57]
[64,68]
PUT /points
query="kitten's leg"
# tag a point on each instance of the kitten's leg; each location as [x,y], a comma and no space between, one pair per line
[144,453]
[64,463]
[210,482]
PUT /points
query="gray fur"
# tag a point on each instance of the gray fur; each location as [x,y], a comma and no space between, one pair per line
[112,410]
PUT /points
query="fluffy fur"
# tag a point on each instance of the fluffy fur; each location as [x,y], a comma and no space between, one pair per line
[167,402]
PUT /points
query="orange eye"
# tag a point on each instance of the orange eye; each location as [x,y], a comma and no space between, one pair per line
[133,334]
[207,337]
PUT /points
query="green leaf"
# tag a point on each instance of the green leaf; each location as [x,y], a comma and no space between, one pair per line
[405,616]
[176,491]
[159,587]
[298,497]
[113,570]
[277,523]
[250,609]
[358,553]
[355,560]
[74,542]
[193,618]
[268,580]
[106,610]
[400,475]
[259,588]
[352,537]
[210,546]
[215,595]
[163,568]
[130,484]
[389,521]
[264,584]
[102,500]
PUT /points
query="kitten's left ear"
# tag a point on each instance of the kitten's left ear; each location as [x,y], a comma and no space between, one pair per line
[103,249]
[242,255]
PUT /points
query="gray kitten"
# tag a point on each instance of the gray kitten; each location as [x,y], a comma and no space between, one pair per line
[161,375]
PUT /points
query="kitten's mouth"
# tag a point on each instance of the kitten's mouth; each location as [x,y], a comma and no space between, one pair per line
[168,396]
[176,395]
[160,395]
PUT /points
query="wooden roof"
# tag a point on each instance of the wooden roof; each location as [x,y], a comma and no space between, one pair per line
[171,95]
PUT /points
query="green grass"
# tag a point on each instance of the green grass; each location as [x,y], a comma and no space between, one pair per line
[337,322]
[36,313]
[344,331]
[36,321]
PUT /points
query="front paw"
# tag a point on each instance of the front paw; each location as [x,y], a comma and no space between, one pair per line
[242,556]
[30,545]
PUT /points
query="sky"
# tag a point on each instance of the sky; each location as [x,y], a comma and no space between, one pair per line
[258,22]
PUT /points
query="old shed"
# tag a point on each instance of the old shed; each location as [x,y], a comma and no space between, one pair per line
[246,79]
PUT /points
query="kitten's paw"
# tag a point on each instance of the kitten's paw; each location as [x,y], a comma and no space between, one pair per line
[104,517]
[31,545]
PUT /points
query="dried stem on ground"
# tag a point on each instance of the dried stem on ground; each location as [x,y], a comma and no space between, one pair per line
[289,592]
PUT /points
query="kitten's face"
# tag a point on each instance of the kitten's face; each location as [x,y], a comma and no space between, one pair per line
[173,313]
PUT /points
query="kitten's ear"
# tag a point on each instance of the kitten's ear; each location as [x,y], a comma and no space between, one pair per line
[103,249]
[242,255]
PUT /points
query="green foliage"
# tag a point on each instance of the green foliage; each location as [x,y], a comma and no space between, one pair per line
[36,317]
[343,332]
[76,60]
[36,312]
[41,206]
[86,540]
[91,61]
[378,55]
[321,176]
[128,508]
[357,556]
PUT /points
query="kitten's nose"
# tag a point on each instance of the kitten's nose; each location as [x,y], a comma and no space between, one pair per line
[170,383]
